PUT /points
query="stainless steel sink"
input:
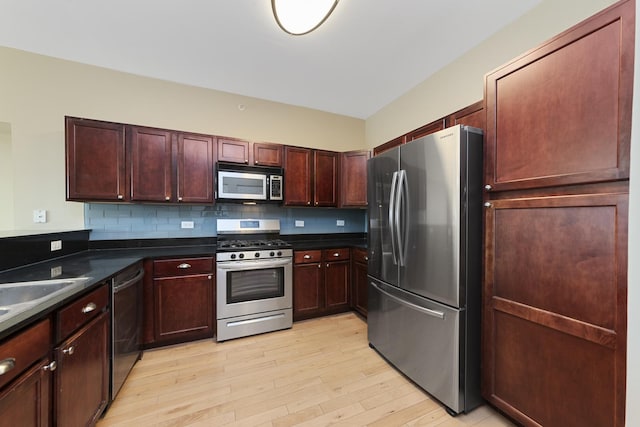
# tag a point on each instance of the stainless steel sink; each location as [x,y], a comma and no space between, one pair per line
[17,297]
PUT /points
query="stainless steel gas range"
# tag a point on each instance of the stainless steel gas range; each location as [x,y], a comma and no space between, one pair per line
[254,278]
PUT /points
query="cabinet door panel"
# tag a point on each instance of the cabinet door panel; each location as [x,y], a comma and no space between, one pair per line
[233,150]
[95,160]
[297,187]
[82,376]
[555,308]
[265,154]
[151,164]
[336,278]
[359,286]
[561,254]
[183,307]
[307,290]
[425,130]
[326,178]
[26,403]
[562,113]
[195,168]
[353,178]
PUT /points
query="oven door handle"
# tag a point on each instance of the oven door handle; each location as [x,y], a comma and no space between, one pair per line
[249,264]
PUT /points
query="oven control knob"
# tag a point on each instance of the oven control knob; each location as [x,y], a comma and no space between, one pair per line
[271,253]
[233,256]
[279,253]
[241,255]
[257,255]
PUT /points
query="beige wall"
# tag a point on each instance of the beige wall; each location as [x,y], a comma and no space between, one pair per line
[37,92]
[462,82]
[6,177]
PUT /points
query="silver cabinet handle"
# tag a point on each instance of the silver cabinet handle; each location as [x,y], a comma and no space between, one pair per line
[120,197]
[69,350]
[336,254]
[7,364]
[184,265]
[307,257]
[89,308]
[179,199]
[167,198]
[50,367]
[487,204]
[487,187]
[327,265]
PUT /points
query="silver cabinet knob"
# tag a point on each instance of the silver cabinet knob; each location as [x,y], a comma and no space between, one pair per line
[69,350]
[307,256]
[184,265]
[167,198]
[120,197]
[366,258]
[88,308]
[487,204]
[319,265]
[7,364]
[487,187]
[210,277]
[179,199]
[50,367]
[337,254]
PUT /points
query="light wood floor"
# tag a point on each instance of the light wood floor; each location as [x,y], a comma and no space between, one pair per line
[321,372]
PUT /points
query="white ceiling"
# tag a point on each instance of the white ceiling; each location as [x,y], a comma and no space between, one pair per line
[368,53]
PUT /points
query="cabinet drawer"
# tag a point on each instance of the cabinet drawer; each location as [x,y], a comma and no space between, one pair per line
[336,254]
[23,349]
[182,266]
[305,257]
[76,314]
[360,255]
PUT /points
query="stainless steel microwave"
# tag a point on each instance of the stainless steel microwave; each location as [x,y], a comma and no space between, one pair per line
[248,184]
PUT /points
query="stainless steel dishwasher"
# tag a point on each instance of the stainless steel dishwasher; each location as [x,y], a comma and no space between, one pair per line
[126,325]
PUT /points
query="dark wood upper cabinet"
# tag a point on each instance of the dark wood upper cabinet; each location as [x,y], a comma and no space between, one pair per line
[95,160]
[396,142]
[151,164]
[267,154]
[353,178]
[425,130]
[561,114]
[195,165]
[298,176]
[474,115]
[326,178]
[233,150]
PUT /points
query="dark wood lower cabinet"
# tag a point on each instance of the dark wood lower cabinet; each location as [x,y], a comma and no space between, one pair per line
[554,346]
[321,282]
[308,290]
[26,403]
[359,288]
[184,307]
[81,382]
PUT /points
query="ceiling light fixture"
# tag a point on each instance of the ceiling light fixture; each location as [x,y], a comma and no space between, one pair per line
[298,17]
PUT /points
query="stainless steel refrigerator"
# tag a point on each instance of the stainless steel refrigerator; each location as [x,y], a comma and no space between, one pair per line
[425,245]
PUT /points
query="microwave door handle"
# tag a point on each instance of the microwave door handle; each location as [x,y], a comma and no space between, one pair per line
[392,219]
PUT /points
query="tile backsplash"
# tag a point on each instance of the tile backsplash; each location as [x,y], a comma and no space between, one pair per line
[132,221]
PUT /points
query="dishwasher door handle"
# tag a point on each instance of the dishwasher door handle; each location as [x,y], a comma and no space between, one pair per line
[121,286]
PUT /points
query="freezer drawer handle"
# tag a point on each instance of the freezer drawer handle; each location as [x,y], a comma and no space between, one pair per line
[434,313]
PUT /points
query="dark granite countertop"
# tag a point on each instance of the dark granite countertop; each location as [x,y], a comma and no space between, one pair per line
[102,262]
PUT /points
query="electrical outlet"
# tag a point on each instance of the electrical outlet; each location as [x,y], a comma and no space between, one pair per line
[299,223]
[56,245]
[56,271]
[186,224]
[39,215]
[340,222]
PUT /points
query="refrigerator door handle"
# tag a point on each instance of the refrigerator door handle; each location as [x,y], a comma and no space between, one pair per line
[434,313]
[401,225]
[392,218]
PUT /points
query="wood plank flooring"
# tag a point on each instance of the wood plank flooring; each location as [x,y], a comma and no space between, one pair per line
[321,372]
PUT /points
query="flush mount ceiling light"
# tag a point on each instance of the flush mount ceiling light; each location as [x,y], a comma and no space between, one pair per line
[298,17]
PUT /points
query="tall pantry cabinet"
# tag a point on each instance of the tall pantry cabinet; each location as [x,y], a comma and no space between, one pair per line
[556,174]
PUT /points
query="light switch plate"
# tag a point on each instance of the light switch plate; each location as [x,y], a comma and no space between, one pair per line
[186,224]
[340,222]
[39,215]
[299,223]
[56,245]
